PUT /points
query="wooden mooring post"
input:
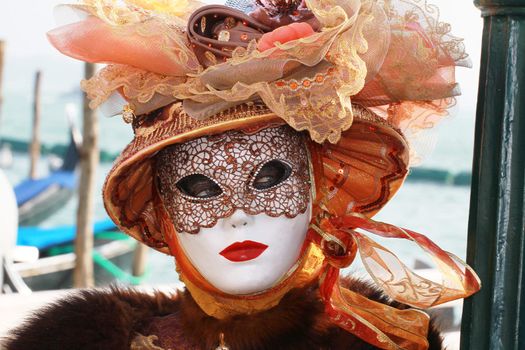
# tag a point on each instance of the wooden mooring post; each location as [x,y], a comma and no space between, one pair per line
[34,148]
[494,318]
[89,158]
[140,259]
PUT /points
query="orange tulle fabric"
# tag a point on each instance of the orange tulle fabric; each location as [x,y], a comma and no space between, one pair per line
[152,45]
[376,323]
[395,56]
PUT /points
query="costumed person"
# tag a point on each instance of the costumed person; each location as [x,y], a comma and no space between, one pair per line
[267,135]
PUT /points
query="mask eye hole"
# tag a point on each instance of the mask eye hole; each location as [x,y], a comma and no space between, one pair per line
[271,174]
[198,186]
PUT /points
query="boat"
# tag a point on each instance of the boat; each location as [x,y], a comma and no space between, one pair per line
[53,267]
[37,199]
[34,258]
[112,256]
[9,222]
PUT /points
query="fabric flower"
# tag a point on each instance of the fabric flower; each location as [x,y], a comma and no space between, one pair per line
[285,34]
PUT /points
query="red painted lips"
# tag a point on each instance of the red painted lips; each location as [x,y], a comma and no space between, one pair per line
[243,251]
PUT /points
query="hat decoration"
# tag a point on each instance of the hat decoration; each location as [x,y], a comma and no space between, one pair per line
[400,51]
[363,78]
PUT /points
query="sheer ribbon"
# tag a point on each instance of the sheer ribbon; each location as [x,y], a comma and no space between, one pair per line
[378,324]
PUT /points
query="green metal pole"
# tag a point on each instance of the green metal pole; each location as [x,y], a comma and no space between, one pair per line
[495,317]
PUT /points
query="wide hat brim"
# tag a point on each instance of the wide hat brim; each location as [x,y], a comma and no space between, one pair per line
[360,173]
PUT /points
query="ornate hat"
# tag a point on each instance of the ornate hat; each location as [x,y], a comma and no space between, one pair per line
[367,82]
[362,79]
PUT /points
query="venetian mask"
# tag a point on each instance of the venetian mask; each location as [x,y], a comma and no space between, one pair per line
[240,204]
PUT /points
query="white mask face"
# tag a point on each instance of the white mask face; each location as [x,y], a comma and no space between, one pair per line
[240,204]
[246,254]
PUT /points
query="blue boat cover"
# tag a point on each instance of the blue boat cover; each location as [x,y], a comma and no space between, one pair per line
[29,189]
[44,238]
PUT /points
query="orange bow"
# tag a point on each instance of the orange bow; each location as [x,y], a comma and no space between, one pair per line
[381,325]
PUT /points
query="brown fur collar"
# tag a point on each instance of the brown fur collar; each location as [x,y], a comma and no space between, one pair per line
[89,319]
[112,319]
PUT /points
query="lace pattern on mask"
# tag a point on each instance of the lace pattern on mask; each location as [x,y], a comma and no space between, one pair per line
[232,160]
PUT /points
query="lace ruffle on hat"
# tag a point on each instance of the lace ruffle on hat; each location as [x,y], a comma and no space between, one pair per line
[393,56]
